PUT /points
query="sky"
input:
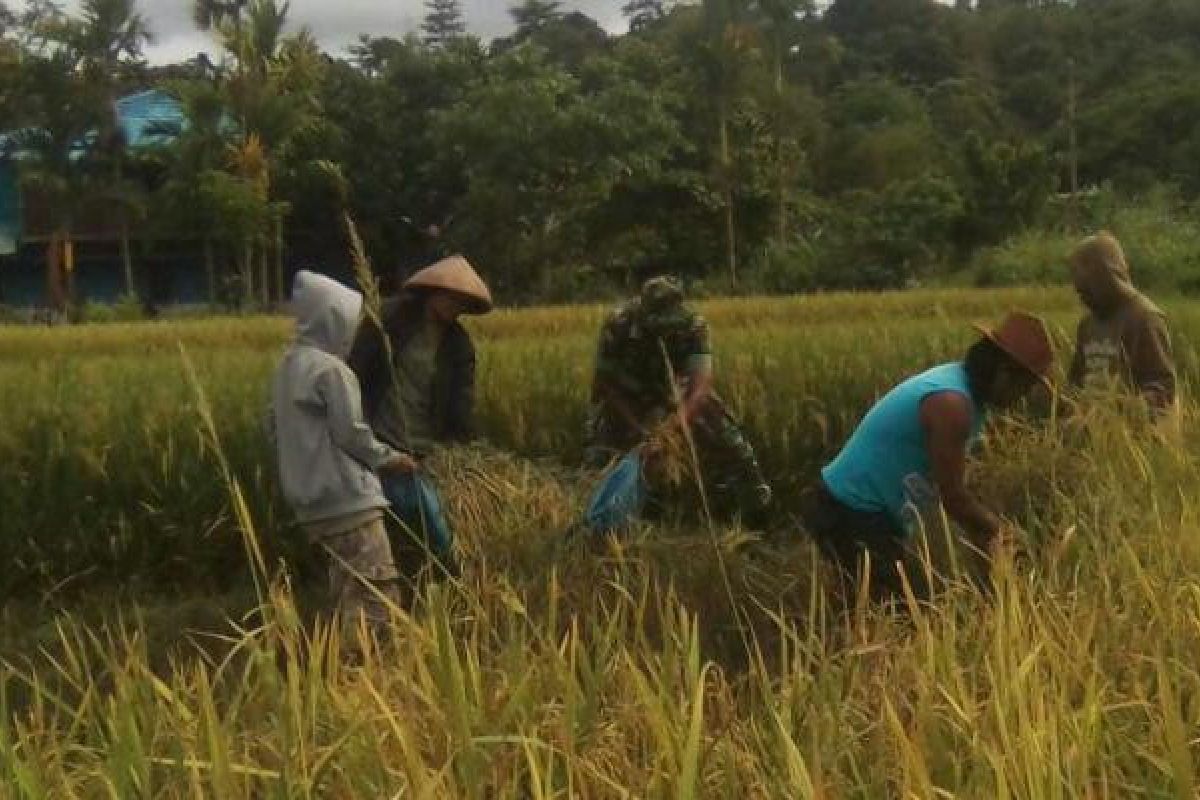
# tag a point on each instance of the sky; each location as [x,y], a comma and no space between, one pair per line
[338,23]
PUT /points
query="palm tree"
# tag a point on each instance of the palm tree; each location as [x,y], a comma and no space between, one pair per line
[72,151]
[271,96]
[190,158]
[56,164]
[211,14]
[109,37]
[10,56]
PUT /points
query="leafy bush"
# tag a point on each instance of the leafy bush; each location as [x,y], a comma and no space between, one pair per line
[127,309]
[891,239]
[784,268]
[1162,242]
[1158,231]
[1030,258]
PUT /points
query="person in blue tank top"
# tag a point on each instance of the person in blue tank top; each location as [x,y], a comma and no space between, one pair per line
[911,448]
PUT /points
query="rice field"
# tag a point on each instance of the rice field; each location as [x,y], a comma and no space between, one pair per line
[152,646]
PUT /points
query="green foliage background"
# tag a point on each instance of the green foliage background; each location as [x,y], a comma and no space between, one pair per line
[774,145]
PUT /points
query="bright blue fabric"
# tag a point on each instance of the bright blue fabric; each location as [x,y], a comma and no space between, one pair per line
[887,450]
[415,501]
[620,497]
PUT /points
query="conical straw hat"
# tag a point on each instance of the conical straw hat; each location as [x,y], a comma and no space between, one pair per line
[455,274]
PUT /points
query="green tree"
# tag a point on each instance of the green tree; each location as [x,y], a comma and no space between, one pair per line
[880,133]
[210,14]
[74,155]
[893,238]
[10,59]
[193,199]
[531,16]
[781,20]
[1006,186]
[643,13]
[443,23]
[110,37]
[60,112]
[270,88]
[387,143]
[543,155]
[912,42]
[729,44]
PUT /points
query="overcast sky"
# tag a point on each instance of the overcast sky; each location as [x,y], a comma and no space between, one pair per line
[338,23]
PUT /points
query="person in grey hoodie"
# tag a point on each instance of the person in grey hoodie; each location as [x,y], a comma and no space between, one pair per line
[328,458]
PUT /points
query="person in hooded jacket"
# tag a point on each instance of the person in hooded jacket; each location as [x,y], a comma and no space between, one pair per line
[1124,337]
[328,459]
[416,365]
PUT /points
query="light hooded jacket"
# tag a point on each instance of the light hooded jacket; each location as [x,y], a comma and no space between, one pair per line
[327,455]
[1125,336]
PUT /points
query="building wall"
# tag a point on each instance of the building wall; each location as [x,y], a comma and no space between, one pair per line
[10,209]
[100,277]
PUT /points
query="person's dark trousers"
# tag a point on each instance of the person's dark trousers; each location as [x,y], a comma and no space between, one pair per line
[845,536]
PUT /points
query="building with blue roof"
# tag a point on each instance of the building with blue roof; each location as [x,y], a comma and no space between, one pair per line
[168,272]
[150,118]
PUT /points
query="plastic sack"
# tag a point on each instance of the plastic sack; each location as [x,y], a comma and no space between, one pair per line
[417,504]
[620,498]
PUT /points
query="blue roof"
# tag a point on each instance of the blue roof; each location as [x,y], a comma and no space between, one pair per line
[147,117]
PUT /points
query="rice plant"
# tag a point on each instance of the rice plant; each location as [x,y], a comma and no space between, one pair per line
[135,660]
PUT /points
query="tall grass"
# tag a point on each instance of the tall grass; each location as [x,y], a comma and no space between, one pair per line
[567,668]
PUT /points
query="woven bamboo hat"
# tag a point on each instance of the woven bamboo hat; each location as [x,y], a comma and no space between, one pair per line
[455,274]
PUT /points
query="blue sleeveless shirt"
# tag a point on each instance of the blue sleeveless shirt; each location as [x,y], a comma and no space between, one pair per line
[886,461]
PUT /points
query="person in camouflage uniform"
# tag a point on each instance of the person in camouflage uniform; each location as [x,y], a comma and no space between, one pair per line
[655,358]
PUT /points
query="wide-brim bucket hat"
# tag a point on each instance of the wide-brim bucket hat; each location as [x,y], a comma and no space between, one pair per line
[455,274]
[1026,340]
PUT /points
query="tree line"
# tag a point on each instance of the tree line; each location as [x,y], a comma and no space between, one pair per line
[777,144]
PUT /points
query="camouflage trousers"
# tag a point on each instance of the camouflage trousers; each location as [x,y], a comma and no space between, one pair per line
[728,463]
[361,576]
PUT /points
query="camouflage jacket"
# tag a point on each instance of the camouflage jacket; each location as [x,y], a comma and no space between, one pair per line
[641,355]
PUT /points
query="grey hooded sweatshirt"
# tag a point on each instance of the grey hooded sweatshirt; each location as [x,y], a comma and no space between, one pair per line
[328,456]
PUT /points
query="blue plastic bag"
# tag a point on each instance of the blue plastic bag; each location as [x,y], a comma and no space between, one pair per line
[620,498]
[416,502]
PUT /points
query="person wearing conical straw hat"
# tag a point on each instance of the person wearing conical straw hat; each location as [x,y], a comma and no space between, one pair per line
[910,450]
[1124,338]
[416,364]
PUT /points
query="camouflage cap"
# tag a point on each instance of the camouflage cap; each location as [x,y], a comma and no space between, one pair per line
[661,304]
[662,293]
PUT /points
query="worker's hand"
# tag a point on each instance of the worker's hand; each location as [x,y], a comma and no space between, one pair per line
[691,409]
[1009,543]
[652,450]
[402,464]
[1073,425]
